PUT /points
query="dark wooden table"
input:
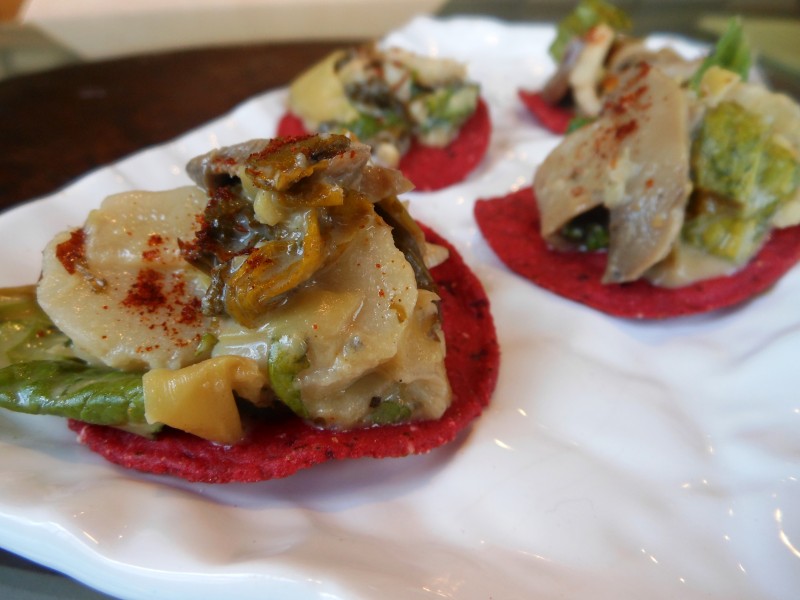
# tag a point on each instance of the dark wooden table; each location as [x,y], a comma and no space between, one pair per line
[58,124]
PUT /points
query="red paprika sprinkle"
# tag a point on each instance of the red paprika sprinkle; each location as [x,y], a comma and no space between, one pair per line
[147,292]
[72,251]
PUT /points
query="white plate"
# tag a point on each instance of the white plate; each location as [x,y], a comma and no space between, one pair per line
[617,460]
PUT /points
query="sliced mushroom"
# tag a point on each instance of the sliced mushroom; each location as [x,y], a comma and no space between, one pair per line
[581,70]
[634,160]
[634,51]
[557,87]
[213,169]
[650,124]
[573,179]
[589,70]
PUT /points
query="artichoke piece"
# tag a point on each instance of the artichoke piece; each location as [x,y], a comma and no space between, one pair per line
[274,268]
[294,174]
[231,228]
[318,95]
[201,398]
[634,161]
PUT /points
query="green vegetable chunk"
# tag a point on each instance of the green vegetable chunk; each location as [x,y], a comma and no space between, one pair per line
[40,374]
[441,112]
[727,156]
[588,232]
[731,52]
[287,357]
[370,126]
[715,227]
[576,123]
[587,14]
[742,175]
[26,332]
[74,390]
[389,412]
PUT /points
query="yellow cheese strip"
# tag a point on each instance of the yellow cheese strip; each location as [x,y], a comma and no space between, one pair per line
[199,398]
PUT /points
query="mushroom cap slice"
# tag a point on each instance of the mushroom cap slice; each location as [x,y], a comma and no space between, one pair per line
[634,160]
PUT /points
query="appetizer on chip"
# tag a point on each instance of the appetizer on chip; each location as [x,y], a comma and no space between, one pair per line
[683,193]
[285,311]
[591,48]
[419,114]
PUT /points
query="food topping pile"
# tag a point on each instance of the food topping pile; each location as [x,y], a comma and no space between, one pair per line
[386,99]
[290,276]
[680,173]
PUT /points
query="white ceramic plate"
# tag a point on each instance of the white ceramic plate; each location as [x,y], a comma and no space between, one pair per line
[617,460]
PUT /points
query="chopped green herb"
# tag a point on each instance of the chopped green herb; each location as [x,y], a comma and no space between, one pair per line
[588,232]
[447,108]
[577,122]
[731,52]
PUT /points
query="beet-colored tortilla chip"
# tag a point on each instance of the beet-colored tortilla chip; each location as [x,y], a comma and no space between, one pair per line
[291,125]
[554,118]
[274,449]
[430,168]
[510,225]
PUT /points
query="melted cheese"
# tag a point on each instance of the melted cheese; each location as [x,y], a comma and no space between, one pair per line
[364,324]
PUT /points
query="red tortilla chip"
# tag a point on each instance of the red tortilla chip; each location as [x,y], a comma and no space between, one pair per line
[291,125]
[554,118]
[510,225]
[429,168]
[277,449]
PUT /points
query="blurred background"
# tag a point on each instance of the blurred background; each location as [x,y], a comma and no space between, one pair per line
[40,34]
